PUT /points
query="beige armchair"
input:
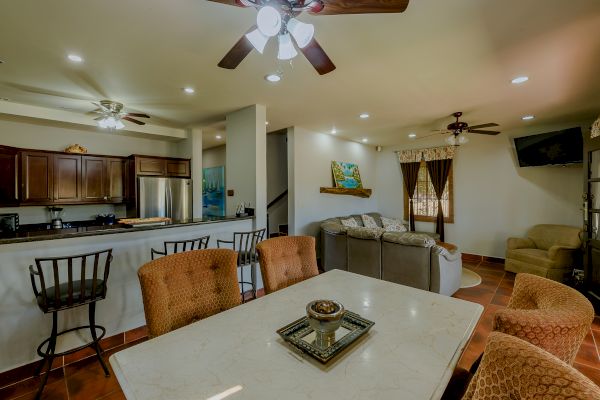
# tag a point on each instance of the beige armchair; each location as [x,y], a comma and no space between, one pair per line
[548,251]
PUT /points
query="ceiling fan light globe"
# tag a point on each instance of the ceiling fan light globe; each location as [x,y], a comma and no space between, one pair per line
[258,40]
[102,123]
[268,21]
[119,125]
[462,139]
[286,47]
[451,140]
[302,33]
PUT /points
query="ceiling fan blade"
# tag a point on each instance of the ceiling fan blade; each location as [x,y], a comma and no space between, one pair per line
[236,3]
[484,132]
[315,54]
[484,125]
[140,115]
[135,121]
[238,52]
[100,106]
[430,135]
[99,118]
[333,7]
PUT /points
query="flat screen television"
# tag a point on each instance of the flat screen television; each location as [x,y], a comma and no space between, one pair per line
[551,148]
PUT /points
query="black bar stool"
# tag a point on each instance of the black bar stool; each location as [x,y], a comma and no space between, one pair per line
[182,245]
[86,277]
[245,244]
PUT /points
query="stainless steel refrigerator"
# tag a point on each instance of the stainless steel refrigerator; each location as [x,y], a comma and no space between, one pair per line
[165,197]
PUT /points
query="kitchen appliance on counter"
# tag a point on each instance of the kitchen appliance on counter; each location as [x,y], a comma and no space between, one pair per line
[106,219]
[165,197]
[9,222]
[56,214]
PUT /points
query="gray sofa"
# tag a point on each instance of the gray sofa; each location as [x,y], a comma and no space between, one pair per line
[407,258]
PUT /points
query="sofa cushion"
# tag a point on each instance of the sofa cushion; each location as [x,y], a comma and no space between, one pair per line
[532,256]
[361,232]
[410,239]
[368,221]
[349,222]
[393,225]
[333,227]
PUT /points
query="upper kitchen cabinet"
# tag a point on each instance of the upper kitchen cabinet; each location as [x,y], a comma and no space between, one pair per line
[37,173]
[9,182]
[103,179]
[160,166]
[67,178]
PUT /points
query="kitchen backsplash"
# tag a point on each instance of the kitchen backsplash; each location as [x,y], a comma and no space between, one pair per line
[39,214]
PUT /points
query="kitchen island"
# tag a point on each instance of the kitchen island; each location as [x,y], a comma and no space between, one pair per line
[24,326]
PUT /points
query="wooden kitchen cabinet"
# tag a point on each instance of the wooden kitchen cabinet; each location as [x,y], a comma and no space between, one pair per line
[67,178]
[9,178]
[115,180]
[178,168]
[37,173]
[103,179]
[150,166]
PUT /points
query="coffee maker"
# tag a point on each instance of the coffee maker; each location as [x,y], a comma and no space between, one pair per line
[56,214]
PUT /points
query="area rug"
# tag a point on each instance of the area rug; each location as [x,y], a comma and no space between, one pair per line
[469,279]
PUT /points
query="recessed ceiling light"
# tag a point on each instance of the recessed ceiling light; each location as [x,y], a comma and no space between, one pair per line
[527,117]
[218,137]
[266,122]
[75,58]
[273,78]
[364,140]
[412,135]
[189,90]
[333,131]
[520,79]
[364,116]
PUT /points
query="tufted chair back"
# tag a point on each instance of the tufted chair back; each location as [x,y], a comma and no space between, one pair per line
[512,369]
[547,314]
[182,288]
[287,260]
[545,236]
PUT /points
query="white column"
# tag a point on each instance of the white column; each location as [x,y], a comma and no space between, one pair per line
[291,140]
[246,166]
[191,147]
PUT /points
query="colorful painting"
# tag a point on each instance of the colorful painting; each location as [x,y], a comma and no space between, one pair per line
[213,192]
[346,175]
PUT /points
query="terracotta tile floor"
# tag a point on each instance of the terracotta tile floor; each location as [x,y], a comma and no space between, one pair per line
[85,379]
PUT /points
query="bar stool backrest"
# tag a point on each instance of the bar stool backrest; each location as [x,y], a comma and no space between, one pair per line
[178,246]
[245,244]
[67,282]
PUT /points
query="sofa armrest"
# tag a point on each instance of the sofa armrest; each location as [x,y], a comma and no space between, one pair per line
[448,255]
[365,233]
[519,243]
[562,255]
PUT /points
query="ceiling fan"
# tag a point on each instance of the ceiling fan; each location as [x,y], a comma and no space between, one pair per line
[278,18]
[112,115]
[459,128]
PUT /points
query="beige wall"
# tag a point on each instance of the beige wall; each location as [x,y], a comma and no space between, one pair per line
[309,159]
[494,197]
[214,157]
[56,137]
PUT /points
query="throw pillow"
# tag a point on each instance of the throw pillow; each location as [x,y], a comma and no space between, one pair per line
[393,225]
[350,222]
[368,221]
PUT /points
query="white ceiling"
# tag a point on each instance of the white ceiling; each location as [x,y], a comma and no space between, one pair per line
[410,71]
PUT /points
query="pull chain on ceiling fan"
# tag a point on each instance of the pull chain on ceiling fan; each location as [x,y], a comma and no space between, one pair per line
[278,18]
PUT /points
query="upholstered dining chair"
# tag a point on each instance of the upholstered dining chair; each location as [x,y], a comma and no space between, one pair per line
[547,314]
[182,288]
[287,260]
[513,369]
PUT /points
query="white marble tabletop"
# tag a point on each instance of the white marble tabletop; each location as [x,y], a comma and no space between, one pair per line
[410,353]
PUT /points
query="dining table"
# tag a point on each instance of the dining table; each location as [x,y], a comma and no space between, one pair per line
[409,353]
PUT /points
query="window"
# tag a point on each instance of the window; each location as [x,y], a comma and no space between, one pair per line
[424,201]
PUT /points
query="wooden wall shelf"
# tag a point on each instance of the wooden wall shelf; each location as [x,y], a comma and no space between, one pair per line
[365,193]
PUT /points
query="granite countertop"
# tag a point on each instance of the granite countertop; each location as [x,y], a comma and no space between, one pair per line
[93,230]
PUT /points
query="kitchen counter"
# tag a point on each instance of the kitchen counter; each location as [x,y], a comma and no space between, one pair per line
[93,230]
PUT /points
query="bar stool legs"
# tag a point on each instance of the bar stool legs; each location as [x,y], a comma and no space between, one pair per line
[48,356]
[96,342]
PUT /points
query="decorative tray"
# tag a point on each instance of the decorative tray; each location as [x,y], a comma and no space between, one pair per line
[302,337]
